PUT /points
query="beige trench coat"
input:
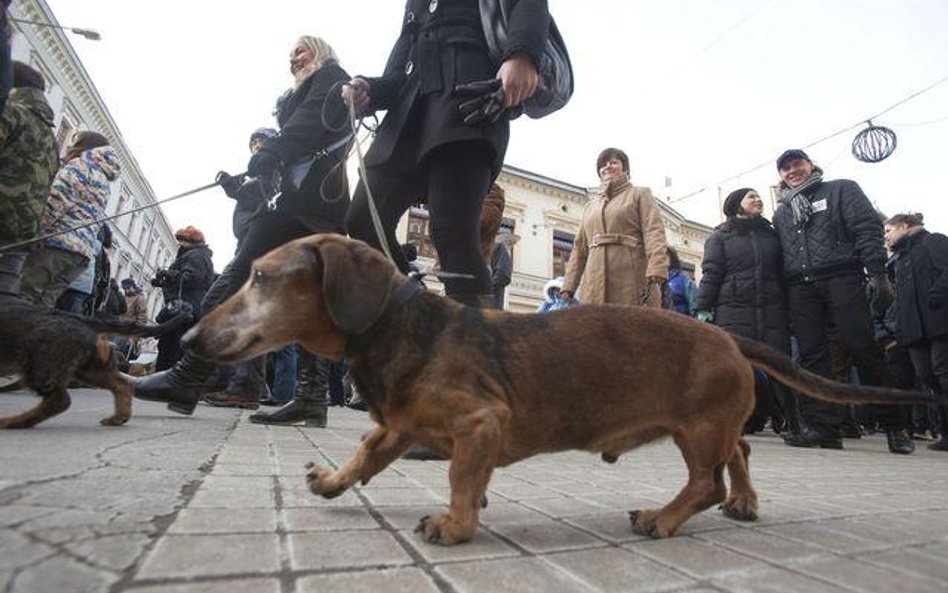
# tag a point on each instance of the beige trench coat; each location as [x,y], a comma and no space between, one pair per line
[621,242]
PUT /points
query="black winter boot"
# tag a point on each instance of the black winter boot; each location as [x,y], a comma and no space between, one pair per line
[899,442]
[180,386]
[311,404]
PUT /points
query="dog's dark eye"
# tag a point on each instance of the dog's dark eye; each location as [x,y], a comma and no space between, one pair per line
[258,278]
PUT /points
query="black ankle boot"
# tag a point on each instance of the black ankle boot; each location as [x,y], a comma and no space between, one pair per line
[311,404]
[180,386]
[899,442]
[297,412]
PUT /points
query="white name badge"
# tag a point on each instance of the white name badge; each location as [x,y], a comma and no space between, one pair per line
[818,206]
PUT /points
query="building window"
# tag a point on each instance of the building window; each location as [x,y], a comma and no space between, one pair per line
[64,134]
[562,247]
[418,232]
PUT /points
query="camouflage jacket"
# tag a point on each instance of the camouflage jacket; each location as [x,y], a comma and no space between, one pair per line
[28,162]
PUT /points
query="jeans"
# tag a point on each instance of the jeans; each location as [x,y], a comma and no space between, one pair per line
[284,374]
[73,301]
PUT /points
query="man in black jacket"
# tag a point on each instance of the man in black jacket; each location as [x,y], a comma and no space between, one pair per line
[831,238]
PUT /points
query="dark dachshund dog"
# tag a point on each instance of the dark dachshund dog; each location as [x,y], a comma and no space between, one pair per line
[49,348]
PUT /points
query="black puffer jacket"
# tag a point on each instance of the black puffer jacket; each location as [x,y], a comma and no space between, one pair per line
[302,114]
[843,235]
[741,281]
[921,263]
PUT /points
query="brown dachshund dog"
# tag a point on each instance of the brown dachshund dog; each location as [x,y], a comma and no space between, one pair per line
[488,388]
[50,347]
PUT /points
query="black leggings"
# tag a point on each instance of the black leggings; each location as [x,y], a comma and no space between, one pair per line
[454,180]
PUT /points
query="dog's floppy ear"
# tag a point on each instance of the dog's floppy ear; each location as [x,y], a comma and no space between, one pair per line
[357,281]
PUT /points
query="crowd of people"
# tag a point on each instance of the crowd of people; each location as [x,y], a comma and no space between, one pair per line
[816,282]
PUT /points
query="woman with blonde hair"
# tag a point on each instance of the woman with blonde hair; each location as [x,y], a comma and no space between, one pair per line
[316,205]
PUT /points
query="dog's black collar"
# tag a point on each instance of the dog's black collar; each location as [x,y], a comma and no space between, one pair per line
[398,297]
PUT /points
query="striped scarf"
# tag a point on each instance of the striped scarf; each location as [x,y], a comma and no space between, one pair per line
[799,204]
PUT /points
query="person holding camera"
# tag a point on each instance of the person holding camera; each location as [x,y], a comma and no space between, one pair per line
[183,286]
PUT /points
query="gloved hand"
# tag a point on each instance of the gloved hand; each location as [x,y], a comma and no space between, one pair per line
[228,182]
[485,101]
[882,295]
[704,316]
[265,166]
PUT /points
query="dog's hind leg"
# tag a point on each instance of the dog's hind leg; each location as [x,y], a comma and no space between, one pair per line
[105,375]
[477,442]
[706,457]
[379,449]
[741,503]
[54,401]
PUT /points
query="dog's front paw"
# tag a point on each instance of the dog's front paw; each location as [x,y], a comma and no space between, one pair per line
[443,530]
[318,478]
[741,508]
[114,421]
[648,523]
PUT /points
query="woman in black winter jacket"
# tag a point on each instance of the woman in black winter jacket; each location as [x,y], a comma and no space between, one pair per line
[186,279]
[425,147]
[741,285]
[317,205]
[920,263]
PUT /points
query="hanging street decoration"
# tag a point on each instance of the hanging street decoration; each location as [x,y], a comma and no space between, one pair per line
[874,144]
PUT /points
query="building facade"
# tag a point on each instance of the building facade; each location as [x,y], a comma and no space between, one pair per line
[541,219]
[142,240]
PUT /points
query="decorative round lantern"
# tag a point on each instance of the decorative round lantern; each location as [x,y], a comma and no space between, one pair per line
[874,144]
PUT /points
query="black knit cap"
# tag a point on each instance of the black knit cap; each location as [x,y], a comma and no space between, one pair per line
[732,203]
[789,155]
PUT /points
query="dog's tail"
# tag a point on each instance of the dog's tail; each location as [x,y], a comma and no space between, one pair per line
[122,327]
[793,375]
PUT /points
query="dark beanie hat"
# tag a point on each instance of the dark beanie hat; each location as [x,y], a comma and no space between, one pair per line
[262,133]
[732,203]
[789,155]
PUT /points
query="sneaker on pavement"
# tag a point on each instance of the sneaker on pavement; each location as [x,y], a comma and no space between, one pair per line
[899,442]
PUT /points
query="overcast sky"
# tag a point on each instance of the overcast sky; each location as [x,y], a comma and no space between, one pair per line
[697,91]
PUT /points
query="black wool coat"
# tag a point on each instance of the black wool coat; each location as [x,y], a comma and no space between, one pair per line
[302,115]
[742,282]
[193,271]
[441,45]
[920,264]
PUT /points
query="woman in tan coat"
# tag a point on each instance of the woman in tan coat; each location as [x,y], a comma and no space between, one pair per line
[619,255]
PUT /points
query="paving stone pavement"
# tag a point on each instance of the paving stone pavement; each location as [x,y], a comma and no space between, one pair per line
[214,504]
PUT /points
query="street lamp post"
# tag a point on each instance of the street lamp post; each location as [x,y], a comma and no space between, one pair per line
[89,34]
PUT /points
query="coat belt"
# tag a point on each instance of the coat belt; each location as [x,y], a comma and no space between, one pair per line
[603,239]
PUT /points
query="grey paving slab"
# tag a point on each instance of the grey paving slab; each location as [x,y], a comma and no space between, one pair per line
[112,552]
[195,520]
[61,574]
[400,580]
[345,549]
[694,557]
[773,580]
[870,578]
[614,570]
[327,519]
[245,585]
[189,556]
[548,536]
[504,576]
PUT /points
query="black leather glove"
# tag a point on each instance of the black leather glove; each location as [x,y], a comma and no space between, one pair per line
[485,101]
[882,295]
[265,166]
[229,183]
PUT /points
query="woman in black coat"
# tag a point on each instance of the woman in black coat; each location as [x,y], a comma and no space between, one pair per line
[423,148]
[921,288]
[318,205]
[741,288]
[187,278]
